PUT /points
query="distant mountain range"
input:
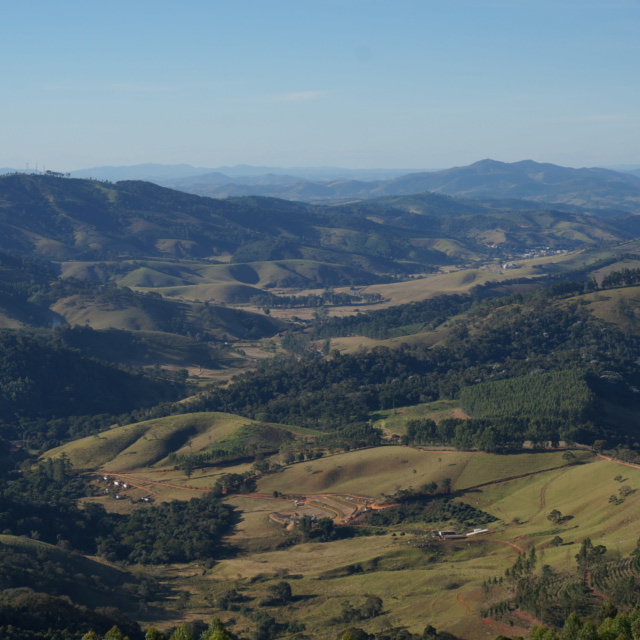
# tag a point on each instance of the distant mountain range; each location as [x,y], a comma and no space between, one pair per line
[243,174]
[65,219]
[602,191]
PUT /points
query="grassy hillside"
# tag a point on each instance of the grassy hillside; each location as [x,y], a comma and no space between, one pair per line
[422,582]
[114,308]
[85,580]
[373,472]
[148,443]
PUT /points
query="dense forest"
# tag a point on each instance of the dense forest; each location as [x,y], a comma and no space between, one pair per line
[42,503]
[509,341]
[40,379]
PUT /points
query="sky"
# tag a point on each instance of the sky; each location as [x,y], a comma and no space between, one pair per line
[346,83]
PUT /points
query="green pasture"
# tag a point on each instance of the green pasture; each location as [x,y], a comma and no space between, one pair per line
[143,444]
[394,421]
[581,493]
[367,472]
[417,586]
[483,468]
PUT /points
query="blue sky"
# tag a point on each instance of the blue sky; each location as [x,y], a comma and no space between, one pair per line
[351,83]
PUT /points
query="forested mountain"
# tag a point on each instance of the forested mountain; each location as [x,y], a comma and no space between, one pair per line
[41,379]
[82,220]
[595,188]
[65,219]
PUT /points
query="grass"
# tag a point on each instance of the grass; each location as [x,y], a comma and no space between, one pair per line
[148,443]
[618,306]
[367,472]
[530,501]
[395,421]
[374,472]
[78,310]
[416,588]
[486,467]
[238,283]
[439,586]
[353,344]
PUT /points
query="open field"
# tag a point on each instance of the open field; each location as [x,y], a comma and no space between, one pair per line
[420,584]
[394,421]
[415,589]
[588,512]
[374,472]
[353,344]
[369,472]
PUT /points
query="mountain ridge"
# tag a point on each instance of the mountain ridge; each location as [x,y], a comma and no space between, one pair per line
[594,187]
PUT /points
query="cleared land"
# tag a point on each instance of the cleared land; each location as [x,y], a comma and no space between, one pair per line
[425,585]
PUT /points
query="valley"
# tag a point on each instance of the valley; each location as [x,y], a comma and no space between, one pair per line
[204,399]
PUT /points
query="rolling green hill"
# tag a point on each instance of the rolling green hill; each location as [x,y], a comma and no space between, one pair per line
[151,443]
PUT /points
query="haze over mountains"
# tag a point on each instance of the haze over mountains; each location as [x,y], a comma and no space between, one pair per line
[595,188]
[601,191]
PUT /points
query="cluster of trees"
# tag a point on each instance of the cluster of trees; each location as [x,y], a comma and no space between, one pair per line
[22,281]
[429,510]
[232,450]
[397,320]
[505,343]
[371,608]
[176,531]
[44,508]
[556,598]
[563,395]
[42,504]
[396,633]
[29,615]
[607,623]
[494,435]
[50,571]
[623,278]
